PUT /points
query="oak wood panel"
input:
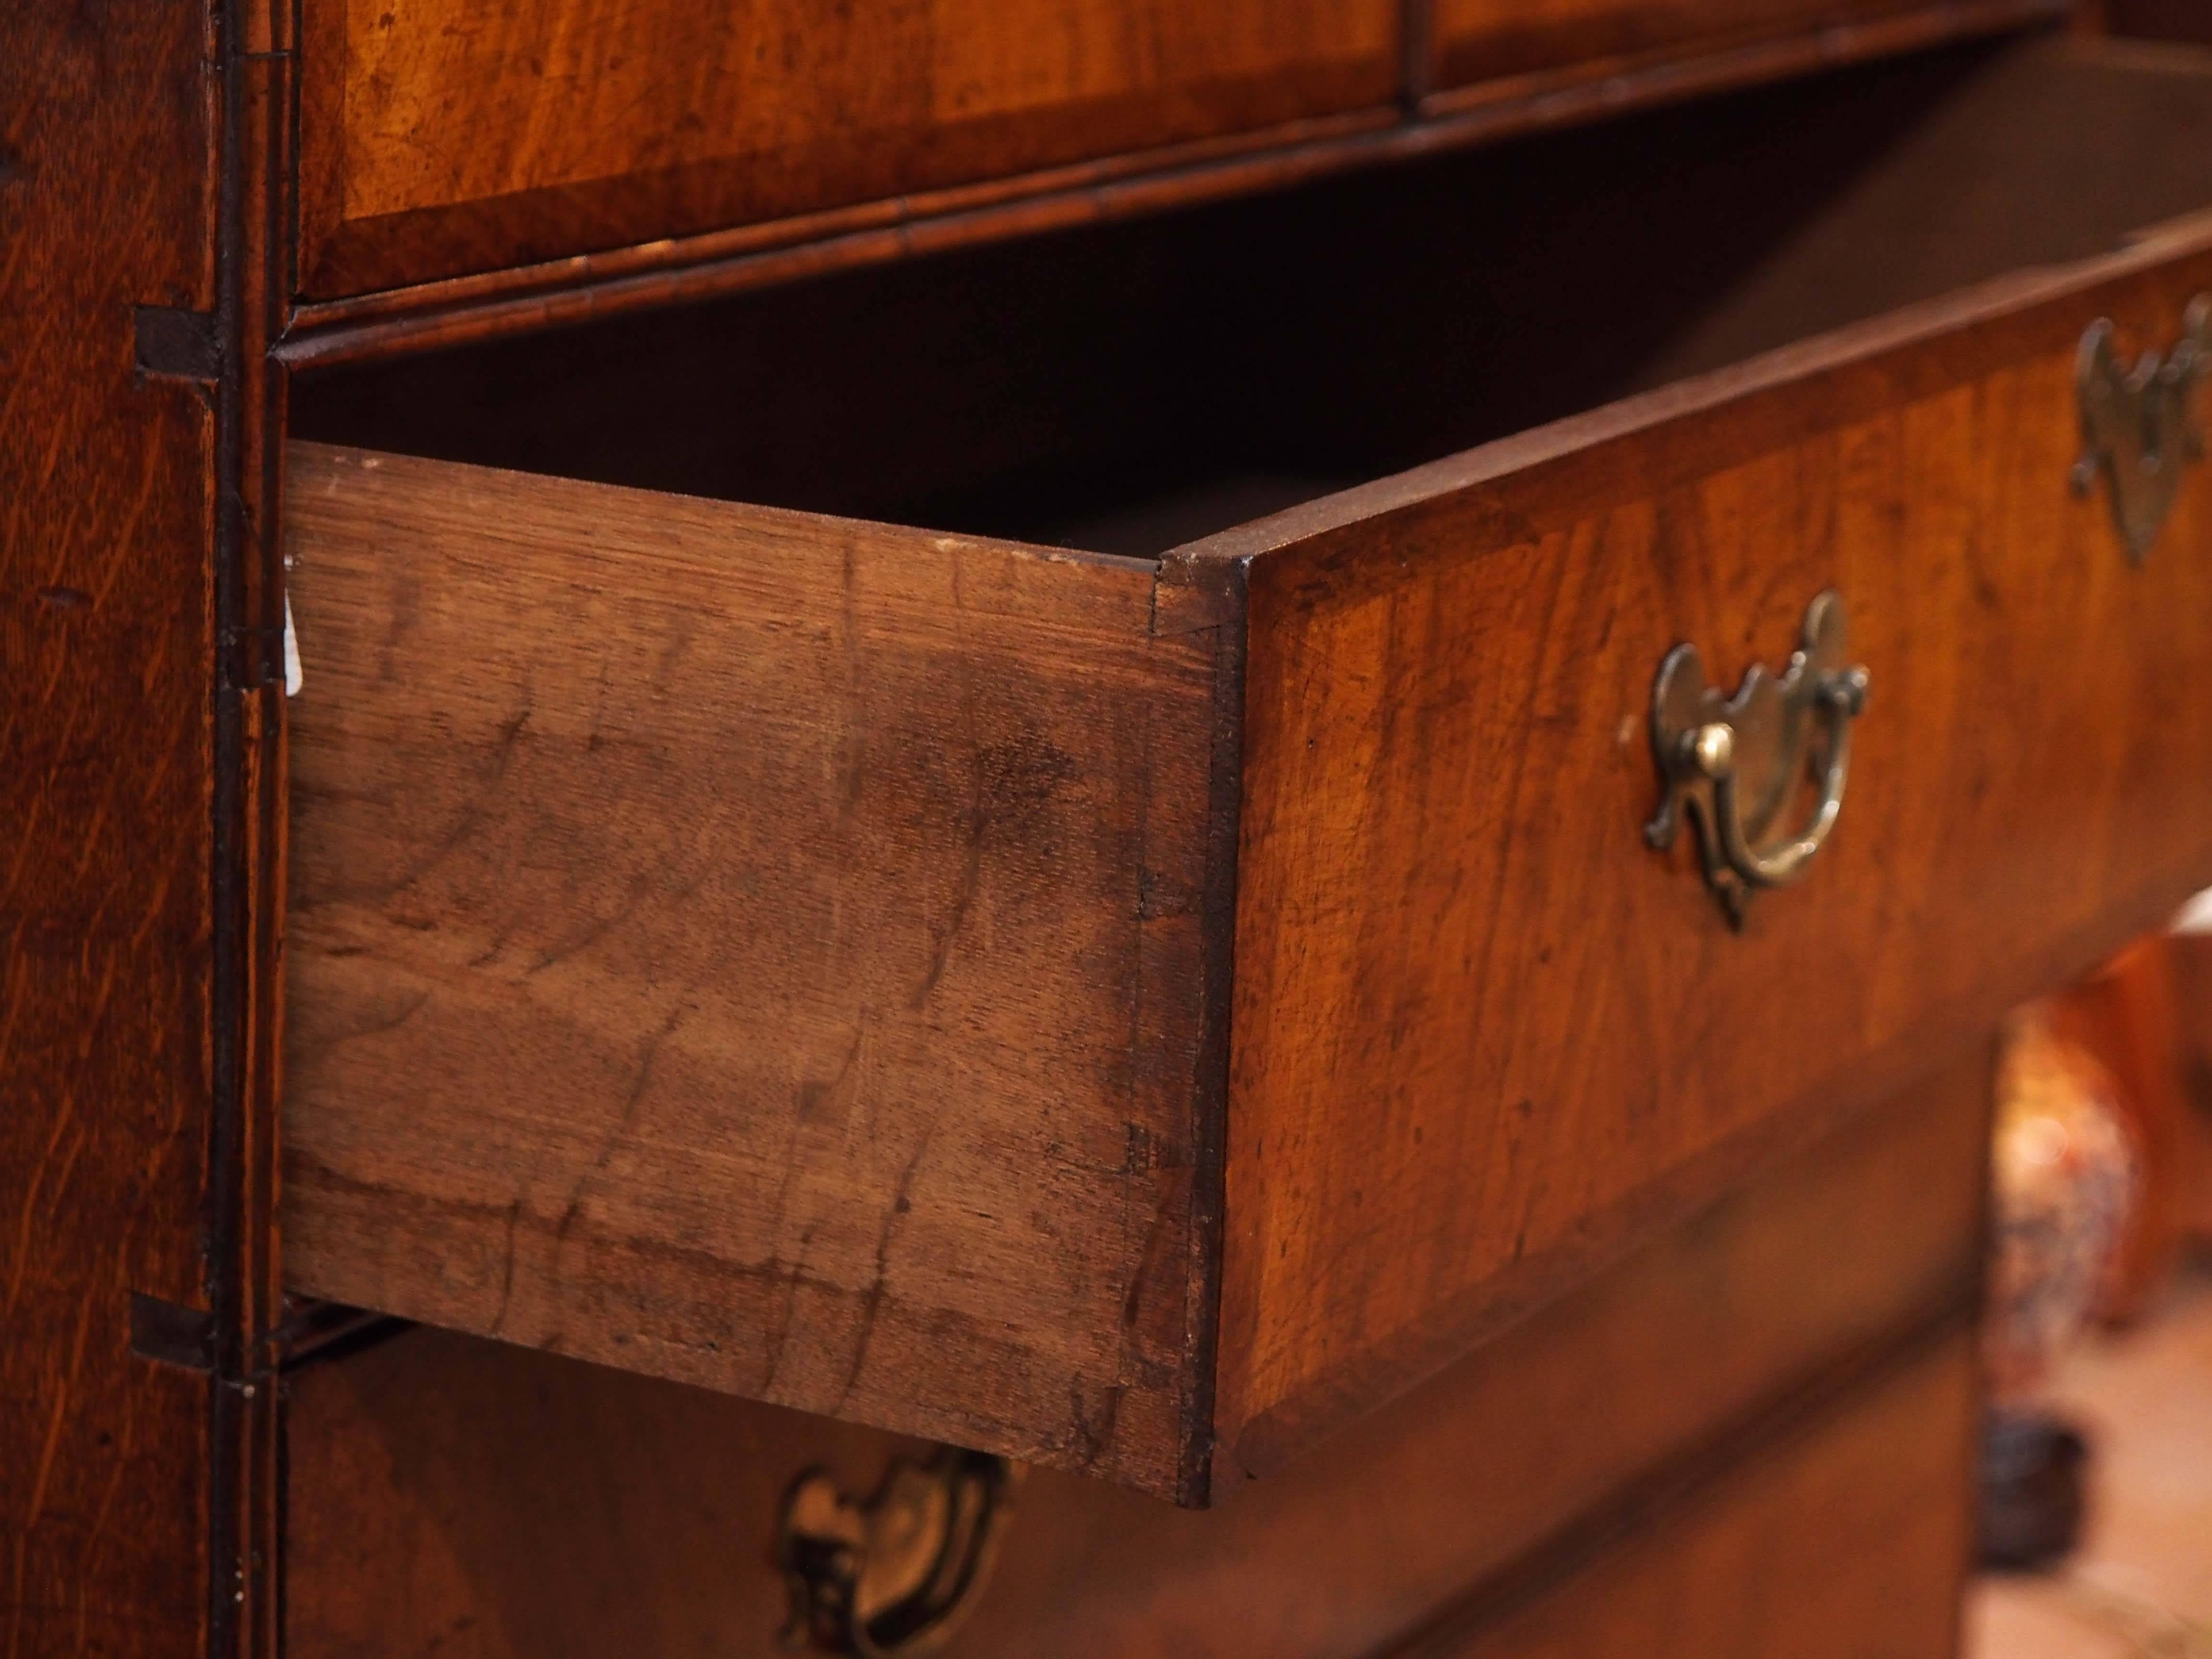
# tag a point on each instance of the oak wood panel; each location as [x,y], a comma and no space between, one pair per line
[107,503]
[761,949]
[1852,1543]
[508,1503]
[1505,40]
[1484,1035]
[467,135]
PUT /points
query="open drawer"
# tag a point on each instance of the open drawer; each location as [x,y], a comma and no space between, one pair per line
[1135,1009]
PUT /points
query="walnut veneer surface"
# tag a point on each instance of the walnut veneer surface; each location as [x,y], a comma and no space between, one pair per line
[444,136]
[454,138]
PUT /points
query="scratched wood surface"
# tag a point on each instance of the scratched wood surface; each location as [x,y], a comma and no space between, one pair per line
[466,135]
[1483,1034]
[485,1502]
[106,655]
[761,949]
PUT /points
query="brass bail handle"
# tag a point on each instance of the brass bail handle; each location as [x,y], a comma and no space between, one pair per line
[2139,425]
[1732,764]
[894,1573]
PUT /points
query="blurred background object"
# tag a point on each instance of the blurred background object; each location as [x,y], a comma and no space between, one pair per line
[2066,1184]
[2147,1019]
[2098,1450]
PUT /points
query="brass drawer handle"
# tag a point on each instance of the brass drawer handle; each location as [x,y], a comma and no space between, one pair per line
[896,1573]
[2138,430]
[1733,764]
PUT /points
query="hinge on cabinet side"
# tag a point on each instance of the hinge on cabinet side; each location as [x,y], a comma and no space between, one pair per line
[171,1335]
[177,344]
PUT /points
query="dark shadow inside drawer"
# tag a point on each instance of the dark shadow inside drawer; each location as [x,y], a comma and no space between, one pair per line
[1137,384]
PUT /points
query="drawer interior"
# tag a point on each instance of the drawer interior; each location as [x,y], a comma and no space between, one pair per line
[1139,383]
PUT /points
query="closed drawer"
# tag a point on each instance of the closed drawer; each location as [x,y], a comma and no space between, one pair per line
[464,136]
[1138,1010]
[1851,1539]
[465,139]
[519,1505]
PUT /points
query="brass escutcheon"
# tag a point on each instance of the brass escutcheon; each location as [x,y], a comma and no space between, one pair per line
[2139,431]
[896,1573]
[1733,764]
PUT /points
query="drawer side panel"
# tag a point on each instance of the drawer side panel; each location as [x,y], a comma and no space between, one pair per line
[757,950]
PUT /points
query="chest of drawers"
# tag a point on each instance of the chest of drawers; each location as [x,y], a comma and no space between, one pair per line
[991,747]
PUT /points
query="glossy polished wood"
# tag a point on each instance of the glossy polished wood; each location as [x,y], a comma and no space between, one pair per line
[758,949]
[435,1478]
[107,497]
[466,135]
[1484,1035]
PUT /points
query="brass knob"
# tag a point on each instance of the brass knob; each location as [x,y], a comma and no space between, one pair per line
[1712,749]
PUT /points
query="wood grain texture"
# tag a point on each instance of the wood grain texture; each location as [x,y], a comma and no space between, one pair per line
[1483,1035]
[467,135]
[575,286]
[1405,1235]
[512,1506]
[106,503]
[1852,1542]
[760,950]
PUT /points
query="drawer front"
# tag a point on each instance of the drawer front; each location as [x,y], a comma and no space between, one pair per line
[1483,1032]
[761,950]
[1851,1538]
[467,135]
[524,1505]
